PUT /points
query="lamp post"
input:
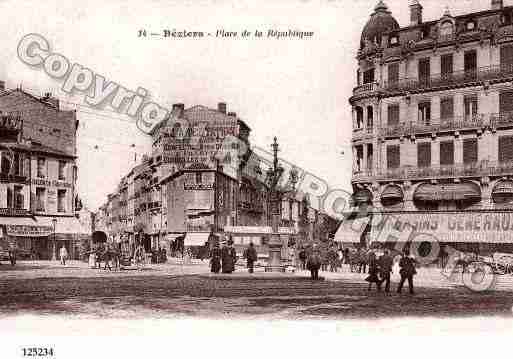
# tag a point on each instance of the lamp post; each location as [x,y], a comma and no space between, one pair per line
[54,254]
[275,244]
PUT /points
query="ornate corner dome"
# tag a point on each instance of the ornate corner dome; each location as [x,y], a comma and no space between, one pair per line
[380,22]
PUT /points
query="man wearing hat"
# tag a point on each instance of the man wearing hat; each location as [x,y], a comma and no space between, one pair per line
[228,257]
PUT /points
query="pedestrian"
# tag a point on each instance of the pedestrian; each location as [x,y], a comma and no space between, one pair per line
[215,259]
[12,255]
[107,257]
[407,271]
[373,272]
[251,256]
[228,257]
[63,253]
[385,264]
[302,258]
[313,263]
[332,259]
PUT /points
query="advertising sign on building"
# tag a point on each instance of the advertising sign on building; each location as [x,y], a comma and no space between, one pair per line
[485,227]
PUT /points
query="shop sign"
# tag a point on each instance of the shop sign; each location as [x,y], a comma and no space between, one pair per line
[198,186]
[13,212]
[485,227]
[28,231]
[48,183]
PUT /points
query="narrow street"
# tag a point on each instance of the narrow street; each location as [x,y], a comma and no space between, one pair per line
[182,291]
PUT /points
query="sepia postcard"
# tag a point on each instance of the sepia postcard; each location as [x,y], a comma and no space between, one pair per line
[237,178]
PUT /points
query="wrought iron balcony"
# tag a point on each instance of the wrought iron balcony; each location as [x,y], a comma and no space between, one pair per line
[442,125]
[361,133]
[477,169]
[368,87]
[457,78]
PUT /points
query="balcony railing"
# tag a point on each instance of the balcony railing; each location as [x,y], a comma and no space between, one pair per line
[368,87]
[442,125]
[359,133]
[477,169]
[487,73]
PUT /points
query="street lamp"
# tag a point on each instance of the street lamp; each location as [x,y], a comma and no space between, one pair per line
[54,253]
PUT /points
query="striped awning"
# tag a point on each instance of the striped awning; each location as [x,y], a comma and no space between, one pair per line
[448,192]
[503,187]
[392,192]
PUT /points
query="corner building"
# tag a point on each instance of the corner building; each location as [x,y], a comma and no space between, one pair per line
[432,139]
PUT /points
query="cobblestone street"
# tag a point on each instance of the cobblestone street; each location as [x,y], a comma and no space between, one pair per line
[178,291]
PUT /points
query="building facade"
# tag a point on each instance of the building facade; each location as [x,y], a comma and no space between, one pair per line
[38,197]
[432,116]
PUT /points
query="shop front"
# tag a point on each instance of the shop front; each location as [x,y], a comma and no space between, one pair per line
[32,240]
[435,234]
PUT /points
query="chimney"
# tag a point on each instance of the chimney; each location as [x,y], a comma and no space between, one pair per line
[497,4]
[51,100]
[2,85]
[232,114]
[178,108]
[415,13]
[221,107]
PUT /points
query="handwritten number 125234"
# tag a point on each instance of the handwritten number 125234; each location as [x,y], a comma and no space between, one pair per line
[37,352]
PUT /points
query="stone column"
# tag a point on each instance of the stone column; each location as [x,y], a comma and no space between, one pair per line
[458,150]
[435,152]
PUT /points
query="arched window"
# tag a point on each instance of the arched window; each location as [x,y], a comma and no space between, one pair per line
[359,117]
[370,117]
[446,29]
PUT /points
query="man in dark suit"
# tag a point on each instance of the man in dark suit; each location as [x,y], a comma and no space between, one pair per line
[407,272]
[385,264]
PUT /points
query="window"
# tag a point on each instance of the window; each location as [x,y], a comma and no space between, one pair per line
[6,163]
[393,114]
[368,76]
[446,153]
[359,117]
[199,177]
[424,70]
[393,73]
[424,33]
[394,40]
[470,103]
[62,168]
[358,78]
[425,113]
[61,200]
[470,150]
[9,197]
[470,63]
[424,154]
[446,66]
[447,108]
[471,25]
[506,18]
[446,28]
[40,199]
[370,117]
[393,156]
[19,200]
[506,101]
[506,148]
[41,167]
[506,58]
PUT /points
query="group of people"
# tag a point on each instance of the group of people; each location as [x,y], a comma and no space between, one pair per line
[380,270]
[223,259]
[110,255]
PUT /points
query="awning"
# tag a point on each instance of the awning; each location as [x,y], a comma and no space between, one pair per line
[257,230]
[351,230]
[23,227]
[392,192]
[503,188]
[446,227]
[196,238]
[450,191]
[362,196]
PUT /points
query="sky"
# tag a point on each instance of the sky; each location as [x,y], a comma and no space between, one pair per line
[295,89]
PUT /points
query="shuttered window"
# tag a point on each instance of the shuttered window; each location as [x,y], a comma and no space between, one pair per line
[447,108]
[393,72]
[470,150]
[393,114]
[470,103]
[507,57]
[505,148]
[425,113]
[424,154]
[446,64]
[506,101]
[446,153]
[393,156]
[424,70]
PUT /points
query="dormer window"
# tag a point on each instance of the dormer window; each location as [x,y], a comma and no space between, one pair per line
[446,28]
[506,18]
[394,40]
[424,33]
[470,26]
